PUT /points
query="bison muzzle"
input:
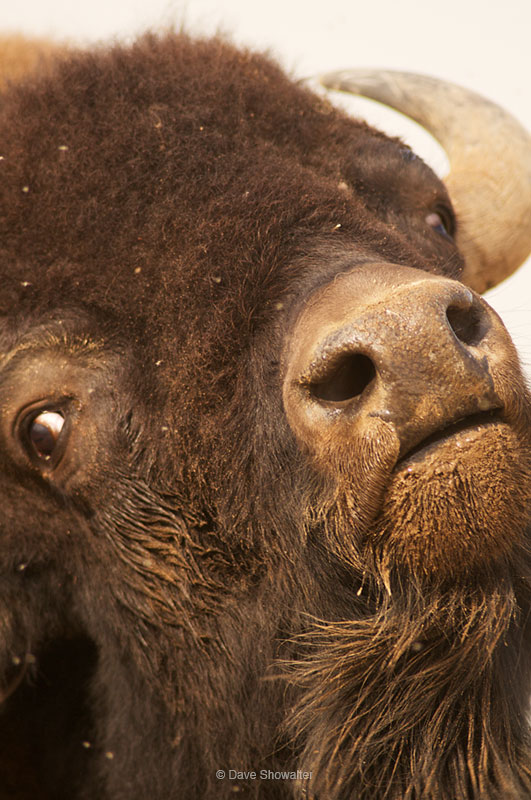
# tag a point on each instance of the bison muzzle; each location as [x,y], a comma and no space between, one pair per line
[265,451]
[408,373]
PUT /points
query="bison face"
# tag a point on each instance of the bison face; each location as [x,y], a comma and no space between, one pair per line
[264,455]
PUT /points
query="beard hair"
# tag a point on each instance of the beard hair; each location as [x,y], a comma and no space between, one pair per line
[421,692]
[426,698]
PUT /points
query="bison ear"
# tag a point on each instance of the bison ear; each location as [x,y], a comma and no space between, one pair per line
[490,164]
[19,56]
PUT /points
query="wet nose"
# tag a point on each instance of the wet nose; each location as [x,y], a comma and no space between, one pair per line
[392,343]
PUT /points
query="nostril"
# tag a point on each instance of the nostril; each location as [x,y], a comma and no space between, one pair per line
[349,377]
[468,324]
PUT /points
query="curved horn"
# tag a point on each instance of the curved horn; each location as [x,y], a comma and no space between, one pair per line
[490,164]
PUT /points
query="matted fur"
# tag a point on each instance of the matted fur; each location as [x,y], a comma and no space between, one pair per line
[190,590]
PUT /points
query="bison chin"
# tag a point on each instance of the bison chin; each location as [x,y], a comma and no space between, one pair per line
[403,688]
[455,505]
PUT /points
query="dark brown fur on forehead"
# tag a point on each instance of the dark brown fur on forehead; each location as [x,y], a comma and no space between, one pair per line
[176,165]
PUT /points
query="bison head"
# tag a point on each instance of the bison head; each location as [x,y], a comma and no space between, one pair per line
[265,456]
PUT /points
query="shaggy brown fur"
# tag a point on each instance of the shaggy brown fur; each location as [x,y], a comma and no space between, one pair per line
[182,589]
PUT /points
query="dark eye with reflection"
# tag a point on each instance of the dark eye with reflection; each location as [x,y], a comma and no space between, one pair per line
[442,222]
[43,432]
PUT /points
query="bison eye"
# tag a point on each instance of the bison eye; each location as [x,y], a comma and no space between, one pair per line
[442,222]
[42,433]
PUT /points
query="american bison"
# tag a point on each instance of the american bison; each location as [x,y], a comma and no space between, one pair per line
[265,455]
